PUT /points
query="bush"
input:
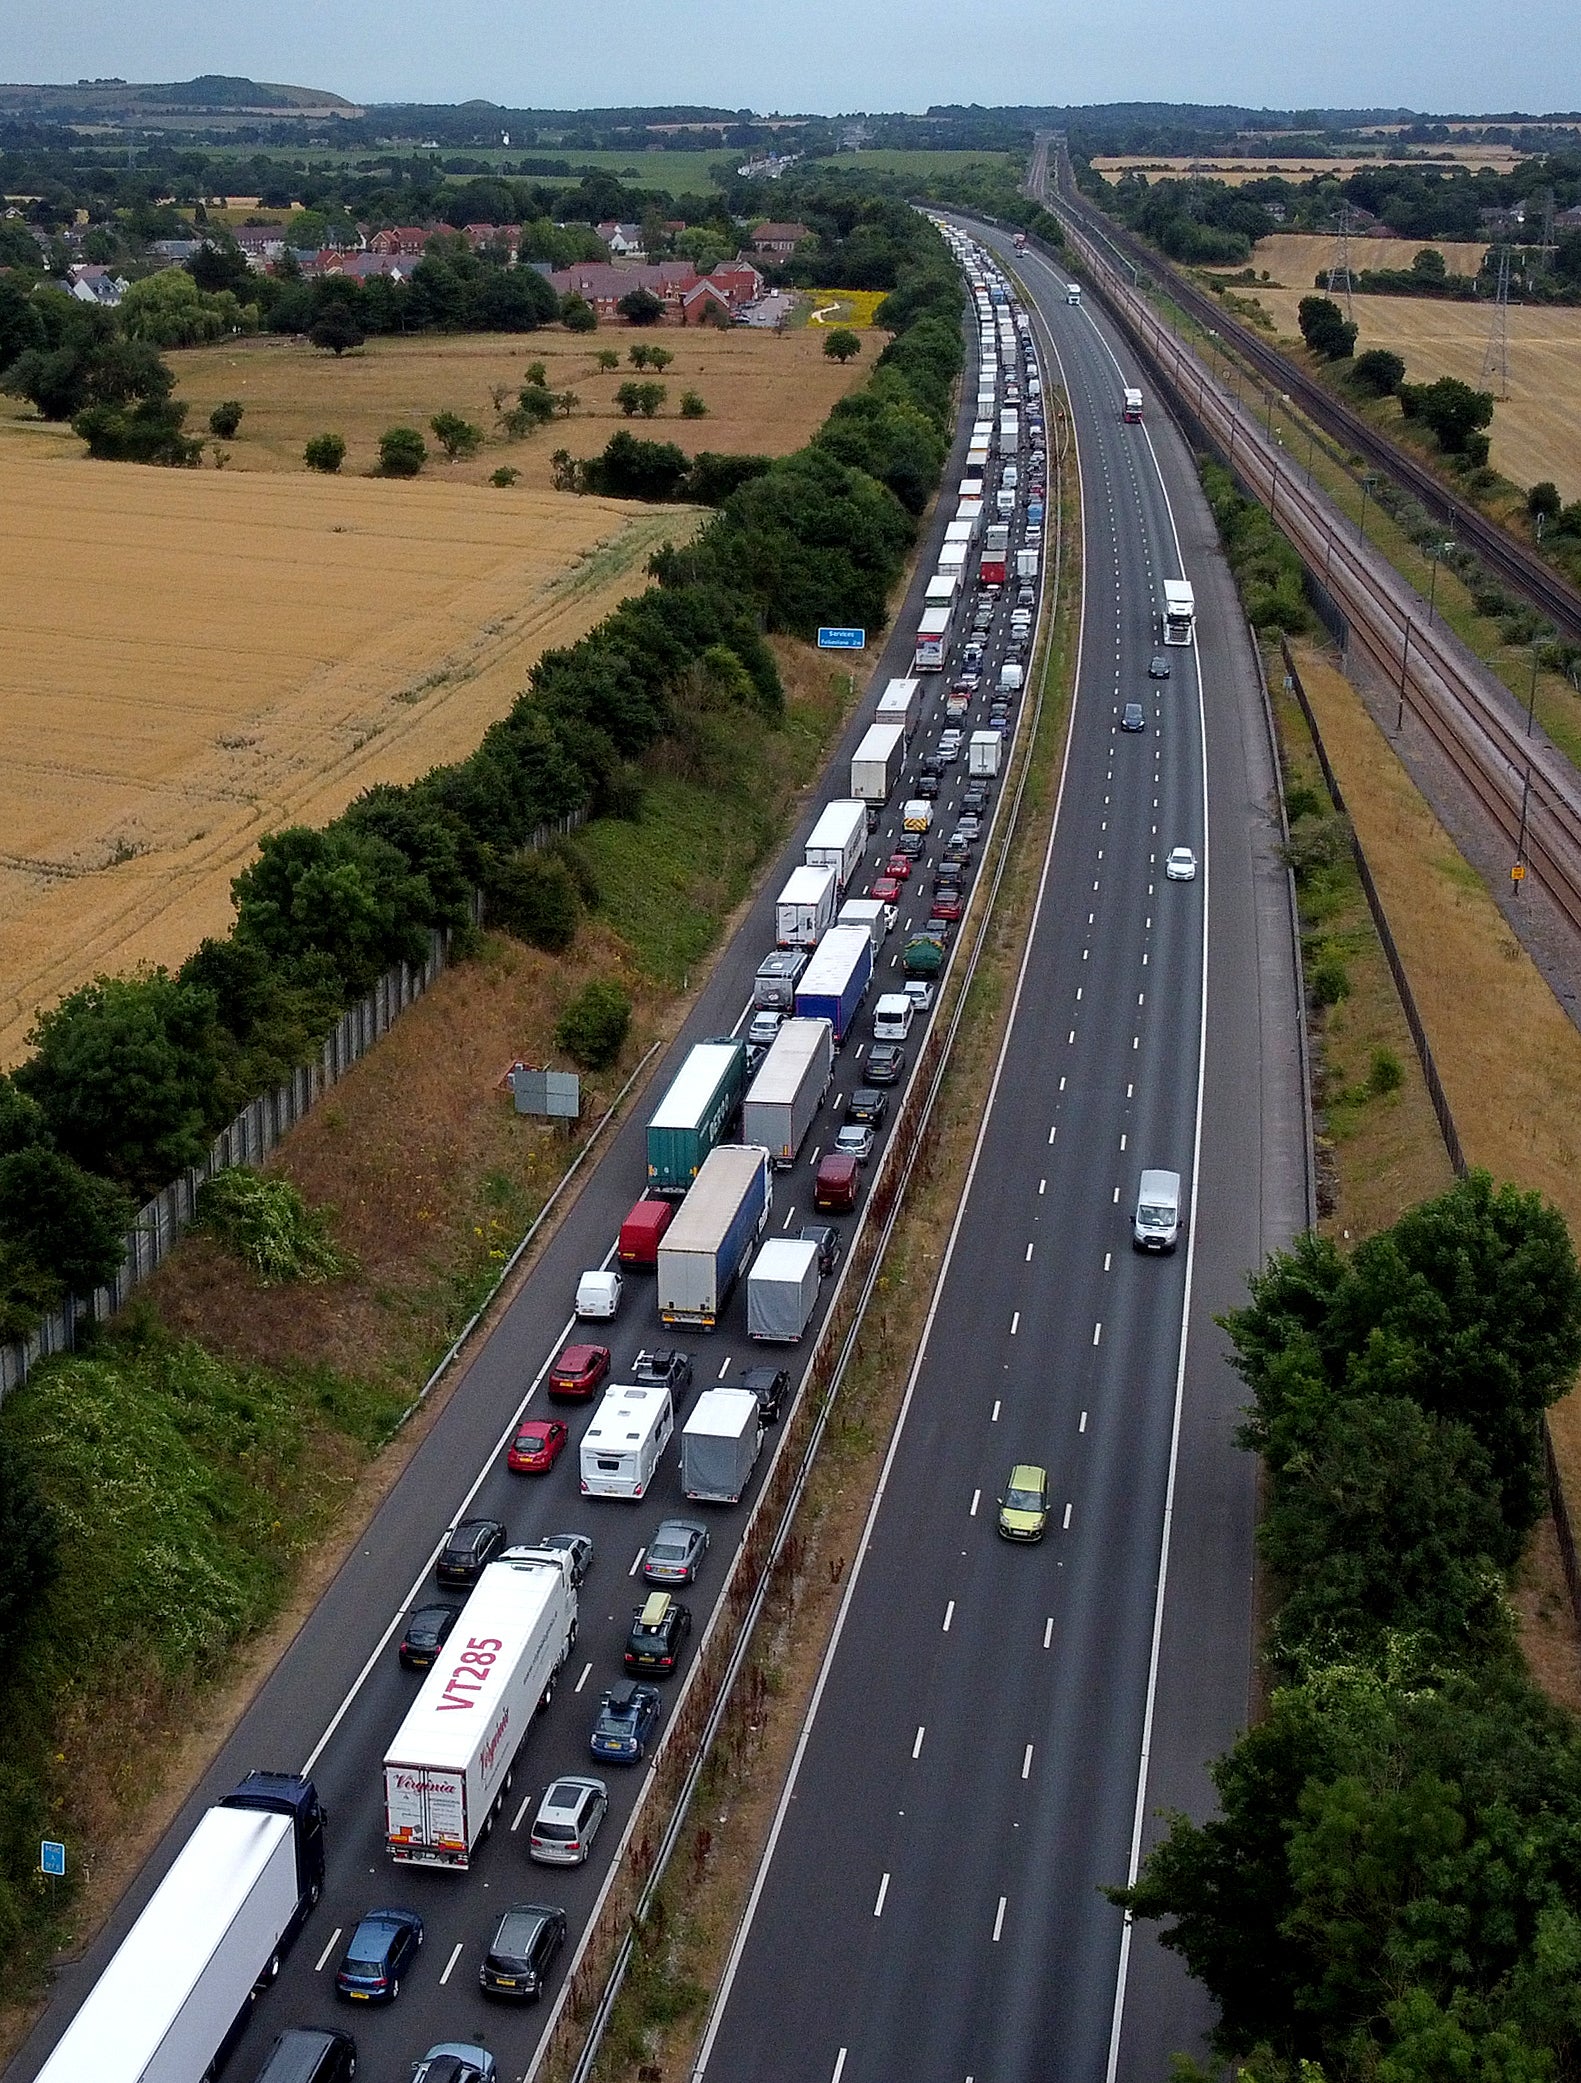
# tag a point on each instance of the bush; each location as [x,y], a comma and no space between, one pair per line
[645,398]
[841,343]
[534,408]
[504,476]
[632,469]
[1385,1073]
[533,897]
[1543,498]
[640,307]
[147,433]
[592,1029]
[263,1220]
[577,314]
[1378,371]
[692,406]
[1476,450]
[226,418]
[402,452]
[1330,979]
[458,437]
[325,452]
[1326,329]
[1452,409]
[608,359]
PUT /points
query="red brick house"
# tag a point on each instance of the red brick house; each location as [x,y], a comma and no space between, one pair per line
[403,238]
[778,241]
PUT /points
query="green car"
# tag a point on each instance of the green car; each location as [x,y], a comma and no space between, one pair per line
[1024,1508]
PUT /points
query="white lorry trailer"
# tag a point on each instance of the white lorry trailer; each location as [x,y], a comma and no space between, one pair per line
[788,1090]
[782,1290]
[719,1444]
[805,906]
[900,703]
[838,840]
[452,1760]
[871,912]
[933,639]
[172,2001]
[876,762]
[983,750]
[703,1250]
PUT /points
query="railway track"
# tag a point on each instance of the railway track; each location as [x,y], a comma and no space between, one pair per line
[1513,562]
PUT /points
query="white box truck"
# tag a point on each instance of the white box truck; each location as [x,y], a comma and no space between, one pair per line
[942,589]
[452,1760]
[805,906]
[625,1442]
[1180,611]
[1131,404]
[838,840]
[900,702]
[871,912]
[173,1999]
[705,1247]
[1073,292]
[982,752]
[876,762]
[782,1290]
[953,556]
[970,510]
[933,639]
[719,1445]
[788,1090]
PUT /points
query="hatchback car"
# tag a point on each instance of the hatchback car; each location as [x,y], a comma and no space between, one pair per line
[828,1243]
[771,1385]
[426,1633]
[956,706]
[455,2061]
[919,992]
[662,1367]
[974,797]
[521,1951]
[538,1444]
[887,889]
[628,1715]
[1158,666]
[928,785]
[1181,865]
[579,1546]
[969,827]
[911,845]
[764,1027]
[578,1372]
[938,926]
[1024,1508]
[659,1627]
[377,1954]
[867,1105]
[885,1062]
[567,1821]
[855,1140]
[931,763]
[1131,717]
[675,1553]
[898,867]
[472,1546]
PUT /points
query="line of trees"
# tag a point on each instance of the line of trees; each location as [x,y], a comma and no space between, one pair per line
[1392,1888]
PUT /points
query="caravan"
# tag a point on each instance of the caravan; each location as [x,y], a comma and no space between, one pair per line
[626,1440]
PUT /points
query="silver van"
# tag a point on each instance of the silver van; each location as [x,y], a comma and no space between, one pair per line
[1157,1222]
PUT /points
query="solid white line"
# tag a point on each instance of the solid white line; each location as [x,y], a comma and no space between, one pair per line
[587,1672]
[949,1615]
[450,1963]
[1026,1762]
[839,2067]
[999,1919]
[333,1936]
[883,1890]
[521,1812]
[916,1748]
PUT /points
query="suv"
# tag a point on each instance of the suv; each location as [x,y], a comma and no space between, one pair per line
[521,1951]
[771,1385]
[867,1105]
[658,1628]
[885,1062]
[662,1367]
[567,1821]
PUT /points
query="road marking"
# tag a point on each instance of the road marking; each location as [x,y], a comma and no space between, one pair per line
[883,1890]
[725,1369]
[1078,994]
[450,1963]
[999,1921]
[1144,961]
[1122,1139]
[1129,1090]
[587,1672]
[1141,997]
[1026,1762]
[916,1748]
[1029,1254]
[1083,1425]
[976,1500]
[1097,1331]
[839,2067]
[1067,1519]
[790,1216]
[526,1804]
[1062,1088]
[993,1415]
[636,1562]
[1136,1041]
[814,1157]
[1070,1038]
[333,1936]
[1048,1632]
[1015,1322]
[949,1615]
[1043,1187]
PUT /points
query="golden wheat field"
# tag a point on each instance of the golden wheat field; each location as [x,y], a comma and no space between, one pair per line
[193,658]
[1233,171]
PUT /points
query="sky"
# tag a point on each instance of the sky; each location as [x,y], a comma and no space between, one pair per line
[828,56]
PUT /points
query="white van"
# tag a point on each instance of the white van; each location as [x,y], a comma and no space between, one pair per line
[1012,476]
[892,1017]
[1156,1226]
[1010,678]
[598,1292]
[625,1442]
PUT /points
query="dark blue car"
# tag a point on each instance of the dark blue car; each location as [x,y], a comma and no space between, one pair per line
[627,1717]
[379,1951]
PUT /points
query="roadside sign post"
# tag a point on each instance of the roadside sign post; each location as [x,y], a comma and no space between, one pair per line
[842,640]
[52,1864]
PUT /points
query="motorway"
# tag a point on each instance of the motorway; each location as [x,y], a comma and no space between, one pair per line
[996,1727]
[337,1697]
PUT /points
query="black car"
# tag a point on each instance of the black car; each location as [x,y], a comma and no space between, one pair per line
[949,877]
[932,763]
[928,785]
[867,1106]
[383,1945]
[912,844]
[522,1951]
[426,1633]
[663,1367]
[771,1385]
[579,1546]
[470,1549]
[1131,717]
[828,1243]
[974,797]
[1158,666]
[885,1062]
[659,1627]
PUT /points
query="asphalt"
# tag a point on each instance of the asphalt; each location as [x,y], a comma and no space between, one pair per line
[337,1696]
[972,1775]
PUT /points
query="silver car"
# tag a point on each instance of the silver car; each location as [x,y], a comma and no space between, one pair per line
[567,1821]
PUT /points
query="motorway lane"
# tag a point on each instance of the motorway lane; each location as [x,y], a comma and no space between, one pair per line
[970,1778]
[338,1696]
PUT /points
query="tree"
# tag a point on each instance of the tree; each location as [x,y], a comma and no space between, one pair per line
[1452,409]
[226,418]
[577,314]
[840,343]
[1379,371]
[566,402]
[90,366]
[402,452]
[564,471]
[643,356]
[534,897]
[147,433]
[703,247]
[220,264]
[458,437]
[1326,329]
[633,469]
[608,359]
[640,307]
[504,477]
[169,310]
[336,330]
[592,1029]
[67,1223]
[692,406]
[345,894]
[534,408]
[645,398]
[1566,262]
[324,452]
[1543,498]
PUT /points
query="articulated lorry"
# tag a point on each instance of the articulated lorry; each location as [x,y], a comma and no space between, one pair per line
[173,2000]
[1180,611]
[838,840]
[702,1252]
[876,762]
[805,906]
[694,1114]
[933,639]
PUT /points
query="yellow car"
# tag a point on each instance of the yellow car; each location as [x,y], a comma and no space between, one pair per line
[1024,1508]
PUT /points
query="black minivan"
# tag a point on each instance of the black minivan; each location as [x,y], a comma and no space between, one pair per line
[307,2054]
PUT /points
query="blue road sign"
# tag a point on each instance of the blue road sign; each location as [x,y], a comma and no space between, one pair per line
[52,1859]
[842,640]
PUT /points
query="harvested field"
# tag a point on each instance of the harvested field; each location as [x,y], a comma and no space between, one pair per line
[1294,258]
[764,391]
[197,658]
[1233,171]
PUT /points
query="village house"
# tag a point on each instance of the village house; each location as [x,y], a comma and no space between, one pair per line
[778,242]
[409,239]
[623,240]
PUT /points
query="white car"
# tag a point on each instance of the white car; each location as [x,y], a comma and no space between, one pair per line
[598,1293]
[764,1028]
[919,992]
[1181,865]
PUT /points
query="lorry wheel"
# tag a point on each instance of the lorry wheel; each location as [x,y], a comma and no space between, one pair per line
[570,1642]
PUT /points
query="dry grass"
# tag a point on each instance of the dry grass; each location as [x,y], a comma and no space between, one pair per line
[765,391]
[194,659]
[1233,171]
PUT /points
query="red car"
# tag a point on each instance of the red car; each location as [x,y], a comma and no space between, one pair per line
[578,1371]
[897,867]
[948,906]
[887,890]
[536,1447]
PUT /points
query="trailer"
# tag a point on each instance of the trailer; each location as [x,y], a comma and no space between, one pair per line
[1026,564]
[623,1446]
[992,565]
[836,979]
[719,1445]
[982,752]
[704,1249]
[933,639]
[941,589]
[900,703]
[871,913]
[172,2001]
[782,1290]
[452,1760]
[788,1090]
[838,840]
[805,906]
[774,986]
[876,763]
[694,1114]
[953,556]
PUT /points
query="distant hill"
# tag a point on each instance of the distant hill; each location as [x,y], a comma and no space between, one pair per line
[211,94]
